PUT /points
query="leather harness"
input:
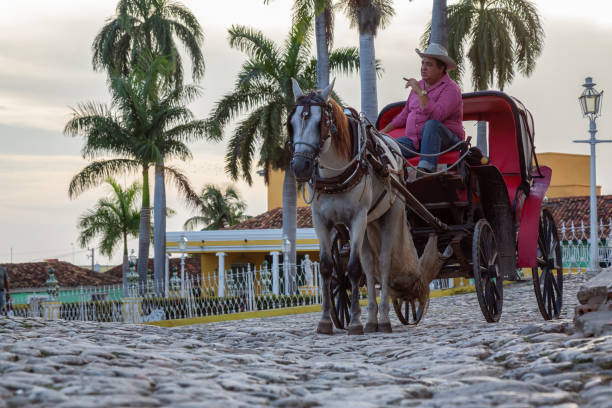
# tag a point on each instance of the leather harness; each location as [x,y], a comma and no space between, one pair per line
[352,175]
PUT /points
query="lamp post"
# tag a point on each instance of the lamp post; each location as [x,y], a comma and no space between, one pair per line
[286,247]
[182,244]
[132,276]
[590,103]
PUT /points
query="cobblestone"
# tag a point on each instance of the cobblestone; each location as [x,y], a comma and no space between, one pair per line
[453,358]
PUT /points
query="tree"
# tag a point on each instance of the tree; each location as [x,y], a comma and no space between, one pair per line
[143,129]
[263,91]
[114,219]
[502,36]
[141,26]
[303,11]
[368,16]
[439,27]
[221,209]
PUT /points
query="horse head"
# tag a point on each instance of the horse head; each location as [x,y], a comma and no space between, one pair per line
[309,126]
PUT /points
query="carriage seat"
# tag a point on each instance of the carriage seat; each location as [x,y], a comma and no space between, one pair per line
[447,158]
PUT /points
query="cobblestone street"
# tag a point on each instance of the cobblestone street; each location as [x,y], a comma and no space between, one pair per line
[453,358]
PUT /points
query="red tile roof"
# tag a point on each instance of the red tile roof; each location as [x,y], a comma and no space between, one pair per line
[274,219]
[577,210]
[35,274]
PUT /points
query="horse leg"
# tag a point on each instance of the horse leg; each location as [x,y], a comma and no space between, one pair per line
[367,261]
[357,231]
[387,240]
[325,267]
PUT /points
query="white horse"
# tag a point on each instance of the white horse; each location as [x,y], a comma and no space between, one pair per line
[348,191]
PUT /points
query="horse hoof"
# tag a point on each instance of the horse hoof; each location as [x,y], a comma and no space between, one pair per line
[357,329]
[371,327]
[384,327]
[325,328]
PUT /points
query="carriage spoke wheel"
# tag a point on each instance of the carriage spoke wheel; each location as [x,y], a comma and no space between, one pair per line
[340,287]
[548,275]
[410,311]
[487,273]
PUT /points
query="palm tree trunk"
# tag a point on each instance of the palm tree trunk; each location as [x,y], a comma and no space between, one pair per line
[481,137]
[144,233]
[439,28]
[322,51]
[159,239]
[290,223]
[367,72]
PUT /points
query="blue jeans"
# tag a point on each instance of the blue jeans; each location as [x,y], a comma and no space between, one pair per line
[435,137]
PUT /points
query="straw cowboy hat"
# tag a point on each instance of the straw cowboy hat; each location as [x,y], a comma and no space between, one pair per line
[438,52]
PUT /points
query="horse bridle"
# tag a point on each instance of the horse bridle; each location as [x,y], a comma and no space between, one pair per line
[327,126]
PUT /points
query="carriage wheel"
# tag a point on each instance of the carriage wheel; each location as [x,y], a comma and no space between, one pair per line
[487,273]
[340,287]
[411,311]
[548,275]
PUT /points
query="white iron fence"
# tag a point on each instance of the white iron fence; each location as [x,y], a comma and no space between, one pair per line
[575,245]
[243,290]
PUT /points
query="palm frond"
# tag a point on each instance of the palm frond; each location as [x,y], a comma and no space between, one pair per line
[253,43]
[97,172]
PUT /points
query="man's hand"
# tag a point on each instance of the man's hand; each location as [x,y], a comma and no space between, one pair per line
[412,83]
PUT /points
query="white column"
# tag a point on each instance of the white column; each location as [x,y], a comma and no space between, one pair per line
[275,274]
[221,283]
[183,274]
[167,276]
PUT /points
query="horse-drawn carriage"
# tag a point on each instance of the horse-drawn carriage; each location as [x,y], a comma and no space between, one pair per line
[488,210]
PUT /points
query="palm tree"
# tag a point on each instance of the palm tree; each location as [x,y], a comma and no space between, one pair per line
[222,209]
[114,219]
[141,26]
[501,35]
[264,92]
[368,16]
[439,27]
[322,10]
[143,130]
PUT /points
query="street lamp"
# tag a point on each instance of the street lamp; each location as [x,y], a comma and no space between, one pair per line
[132,276]
[590,103]
[182,244]
[285,248]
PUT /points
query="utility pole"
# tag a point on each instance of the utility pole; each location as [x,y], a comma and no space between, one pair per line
[11,254]
[92,258]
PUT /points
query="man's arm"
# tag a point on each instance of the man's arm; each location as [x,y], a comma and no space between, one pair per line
[6,286]
[398,121]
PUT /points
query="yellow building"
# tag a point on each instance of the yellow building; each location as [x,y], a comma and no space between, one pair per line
[570,176]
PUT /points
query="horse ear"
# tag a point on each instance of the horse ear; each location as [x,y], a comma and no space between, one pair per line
[327,91]
[297,91]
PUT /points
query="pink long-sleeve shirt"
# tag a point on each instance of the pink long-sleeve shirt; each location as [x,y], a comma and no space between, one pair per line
[445,104]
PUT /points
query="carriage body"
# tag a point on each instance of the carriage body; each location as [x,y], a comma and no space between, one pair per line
[503,195]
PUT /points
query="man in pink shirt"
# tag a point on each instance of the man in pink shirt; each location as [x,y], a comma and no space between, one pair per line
[433,113]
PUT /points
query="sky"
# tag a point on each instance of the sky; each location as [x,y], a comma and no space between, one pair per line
[45,71]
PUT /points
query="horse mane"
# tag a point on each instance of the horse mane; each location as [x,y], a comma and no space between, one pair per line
[341,140]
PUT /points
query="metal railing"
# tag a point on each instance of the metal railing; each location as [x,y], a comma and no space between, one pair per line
[245,289]
[575,245]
